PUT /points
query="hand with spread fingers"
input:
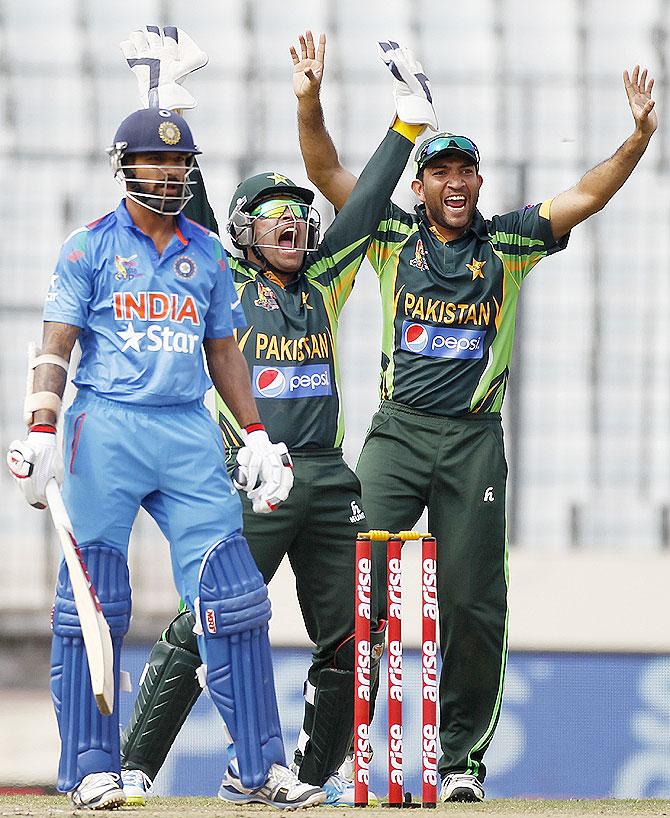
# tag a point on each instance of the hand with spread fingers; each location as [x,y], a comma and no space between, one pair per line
[638,88]
[161,59]
[308,67]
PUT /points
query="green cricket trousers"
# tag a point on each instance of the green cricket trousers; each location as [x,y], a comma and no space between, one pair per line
[456,468]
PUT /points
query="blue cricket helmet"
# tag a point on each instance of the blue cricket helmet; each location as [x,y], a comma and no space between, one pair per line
[155,129]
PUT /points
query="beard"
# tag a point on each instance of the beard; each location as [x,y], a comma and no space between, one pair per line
[436,214]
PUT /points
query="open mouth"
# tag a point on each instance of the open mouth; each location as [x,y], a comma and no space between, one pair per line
[287,238]
[455,202]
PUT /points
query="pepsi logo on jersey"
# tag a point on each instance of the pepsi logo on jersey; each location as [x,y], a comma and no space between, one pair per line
[441,342]
[291,381]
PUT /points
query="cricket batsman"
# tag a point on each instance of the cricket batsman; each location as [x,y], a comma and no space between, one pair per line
[145,291]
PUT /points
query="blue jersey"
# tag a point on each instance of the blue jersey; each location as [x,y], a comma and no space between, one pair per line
[143,317]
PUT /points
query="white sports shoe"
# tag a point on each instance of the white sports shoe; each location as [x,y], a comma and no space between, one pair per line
[461,787]
[340,792]
[137,787]
[282,790]
[347,767]
[98,791]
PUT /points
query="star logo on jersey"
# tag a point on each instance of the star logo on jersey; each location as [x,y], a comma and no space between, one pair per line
[278,179]
[303,303]
[476,268]
[130,338]
[267,300]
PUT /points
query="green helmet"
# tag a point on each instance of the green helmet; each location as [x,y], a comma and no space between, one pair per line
[254,190]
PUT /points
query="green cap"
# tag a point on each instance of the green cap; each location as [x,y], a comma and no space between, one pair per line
[266,185]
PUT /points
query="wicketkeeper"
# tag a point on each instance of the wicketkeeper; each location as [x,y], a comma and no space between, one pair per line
[293,286]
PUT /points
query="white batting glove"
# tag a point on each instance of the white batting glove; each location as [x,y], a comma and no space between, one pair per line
[411,87]
[161,59]
[34,461]
[264,470]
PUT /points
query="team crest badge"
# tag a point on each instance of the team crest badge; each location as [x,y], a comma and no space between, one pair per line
[419,260]
[266,298]
[169,133]
[476,268]
[126,268]
[185,267]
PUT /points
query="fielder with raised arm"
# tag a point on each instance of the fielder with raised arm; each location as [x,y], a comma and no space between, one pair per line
[145,290]
[293,286]
[450,281]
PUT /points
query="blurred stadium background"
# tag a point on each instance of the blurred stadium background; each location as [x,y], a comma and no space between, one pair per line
[538,86]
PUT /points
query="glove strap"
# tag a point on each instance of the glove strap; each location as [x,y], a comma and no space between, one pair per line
[41,400]
[254,427]
[407,130]
[47,428]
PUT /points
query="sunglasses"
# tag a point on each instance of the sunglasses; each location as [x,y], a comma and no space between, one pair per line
[444,142]
[275,209]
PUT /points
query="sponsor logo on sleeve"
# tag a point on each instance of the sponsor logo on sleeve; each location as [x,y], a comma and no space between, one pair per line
[52,295]
[291,381]
[441,342]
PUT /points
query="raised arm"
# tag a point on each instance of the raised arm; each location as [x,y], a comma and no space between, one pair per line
[597,187]
[318,151]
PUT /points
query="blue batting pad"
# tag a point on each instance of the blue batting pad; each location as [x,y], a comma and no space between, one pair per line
[89,740]
[235,611]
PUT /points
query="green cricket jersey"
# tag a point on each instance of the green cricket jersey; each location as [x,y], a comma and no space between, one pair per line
[290,343]
[449,307]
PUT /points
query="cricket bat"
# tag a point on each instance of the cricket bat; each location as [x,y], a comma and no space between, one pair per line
[95,630]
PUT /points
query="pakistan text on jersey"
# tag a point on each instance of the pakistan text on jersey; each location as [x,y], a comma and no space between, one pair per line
[278,348]
[446,312]
[155,306]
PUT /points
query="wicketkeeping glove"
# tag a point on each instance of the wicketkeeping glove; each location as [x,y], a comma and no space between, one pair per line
[264,470]
[34,461]
[161,59]
[411,87]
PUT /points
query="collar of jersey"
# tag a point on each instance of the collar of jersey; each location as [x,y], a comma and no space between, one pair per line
[183,227]
[269,274]
[478,225]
